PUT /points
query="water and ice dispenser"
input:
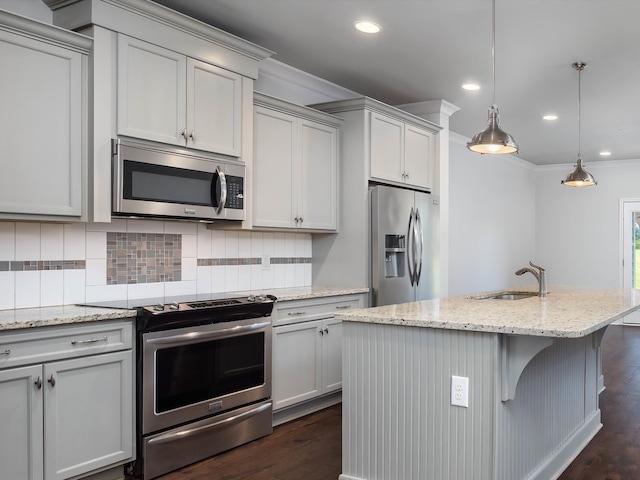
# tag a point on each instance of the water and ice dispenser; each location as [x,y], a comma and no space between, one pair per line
[394,255]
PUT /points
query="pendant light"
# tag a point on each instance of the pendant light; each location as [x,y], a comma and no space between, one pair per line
[493,139]
[579,177]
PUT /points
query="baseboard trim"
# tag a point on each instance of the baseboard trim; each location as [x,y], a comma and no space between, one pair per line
[570,449]
[305,408]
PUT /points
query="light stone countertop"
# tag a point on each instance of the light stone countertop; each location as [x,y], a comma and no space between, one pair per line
[306,293]
[59,315]
[563,313]
[68,314]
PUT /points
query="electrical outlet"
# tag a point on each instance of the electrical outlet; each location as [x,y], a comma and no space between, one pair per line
[266,262]
[459,391]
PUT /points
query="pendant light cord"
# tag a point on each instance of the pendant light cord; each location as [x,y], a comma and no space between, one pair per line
[579,66]
[493,48]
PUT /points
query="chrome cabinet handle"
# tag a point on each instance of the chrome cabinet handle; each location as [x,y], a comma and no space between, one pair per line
[52,380]
[38,382]
[342,307]
[293,314]
[91,340]
[6,352]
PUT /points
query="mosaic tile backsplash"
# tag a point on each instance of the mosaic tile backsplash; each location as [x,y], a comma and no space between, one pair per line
[143,258]
[44,264]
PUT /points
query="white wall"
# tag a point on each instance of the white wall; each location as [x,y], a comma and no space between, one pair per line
[492,220]
[578,229]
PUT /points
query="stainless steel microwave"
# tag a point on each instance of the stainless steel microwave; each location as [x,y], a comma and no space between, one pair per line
[154,181]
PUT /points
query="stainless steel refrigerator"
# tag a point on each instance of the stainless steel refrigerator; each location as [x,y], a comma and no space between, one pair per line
[404,245]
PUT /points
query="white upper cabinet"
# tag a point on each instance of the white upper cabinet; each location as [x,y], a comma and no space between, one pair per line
[395,148]
[43,96]
[401,152]
[168,97]
[295,167]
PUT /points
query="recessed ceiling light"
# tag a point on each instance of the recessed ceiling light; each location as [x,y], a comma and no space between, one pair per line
[367,27]
[605,153]
[550,116]
[471,86]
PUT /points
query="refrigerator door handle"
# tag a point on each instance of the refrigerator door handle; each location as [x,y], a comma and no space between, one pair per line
[420,242]
[410,257]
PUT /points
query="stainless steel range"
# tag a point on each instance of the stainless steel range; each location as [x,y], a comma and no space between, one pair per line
[203,379]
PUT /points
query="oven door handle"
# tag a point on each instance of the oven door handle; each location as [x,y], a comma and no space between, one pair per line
[168,437]
[198,336]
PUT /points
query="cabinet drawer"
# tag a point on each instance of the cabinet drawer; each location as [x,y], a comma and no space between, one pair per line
[314,309]
[54,343]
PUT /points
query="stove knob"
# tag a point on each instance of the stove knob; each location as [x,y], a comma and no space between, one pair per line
[174,306]
[251,298]
[158,307]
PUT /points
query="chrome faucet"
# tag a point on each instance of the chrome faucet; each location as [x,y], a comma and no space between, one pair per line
[540,275]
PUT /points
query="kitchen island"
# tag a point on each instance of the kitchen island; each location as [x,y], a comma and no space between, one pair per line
[534,375]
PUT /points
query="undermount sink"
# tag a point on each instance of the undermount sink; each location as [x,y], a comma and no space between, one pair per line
[507,296]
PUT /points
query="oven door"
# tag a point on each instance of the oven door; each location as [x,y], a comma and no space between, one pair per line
[194,372]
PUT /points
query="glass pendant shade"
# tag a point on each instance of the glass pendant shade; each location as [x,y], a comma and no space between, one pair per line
[493,139]
[579,177]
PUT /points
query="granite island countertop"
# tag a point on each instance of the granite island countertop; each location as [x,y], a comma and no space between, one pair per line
[564,312]
[58,315]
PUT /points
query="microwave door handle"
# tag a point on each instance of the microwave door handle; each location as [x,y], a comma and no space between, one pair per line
[223,191]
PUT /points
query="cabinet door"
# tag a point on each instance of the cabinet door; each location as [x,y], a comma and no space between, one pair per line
[214,108]
[88,398]
[42,90]
[274,150]
[332,355]
[21,419]
[419,156]
[151,92]
[387,148]
[317,189]
[297,363]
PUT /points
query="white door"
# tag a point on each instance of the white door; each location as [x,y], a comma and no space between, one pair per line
[297,363]
[419,154]
[214,108]
[151,92]
[631,251]
[21,419]
[318,178]
[387,148]
[88,413]
[273,180]
[332,355]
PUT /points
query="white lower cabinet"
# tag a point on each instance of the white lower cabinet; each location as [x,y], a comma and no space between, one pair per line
[307,349]
[68,417]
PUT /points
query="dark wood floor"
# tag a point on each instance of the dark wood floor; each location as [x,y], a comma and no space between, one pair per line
[310,448]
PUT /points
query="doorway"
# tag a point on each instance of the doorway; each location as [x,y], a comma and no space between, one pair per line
[630,228]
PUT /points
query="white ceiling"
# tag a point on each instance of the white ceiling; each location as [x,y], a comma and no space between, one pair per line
[428,48]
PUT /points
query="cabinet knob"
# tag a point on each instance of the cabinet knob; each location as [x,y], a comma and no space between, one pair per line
[52,380]
[38,382]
